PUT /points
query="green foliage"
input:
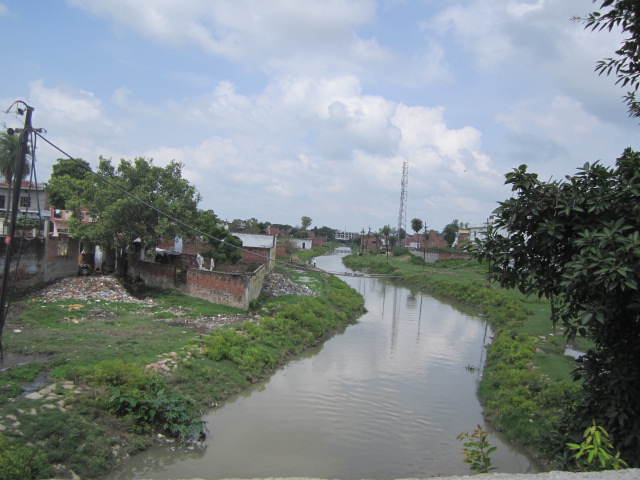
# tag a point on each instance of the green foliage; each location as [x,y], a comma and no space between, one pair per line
[258,348]
[416,224]
[13,379]
[577,243]
[223,244]
[477,450]
[450,231]
[66,176]
[9,150]
[399,252]
[18,462]
[594,453]
[305,222]
[118,218]
[155,406]
[621,14]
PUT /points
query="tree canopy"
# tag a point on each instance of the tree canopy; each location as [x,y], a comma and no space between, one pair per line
[305,222]
[416,224]
[578,240]
[450,231]
[9,148]
[66,177]
[625,15]
[125,203]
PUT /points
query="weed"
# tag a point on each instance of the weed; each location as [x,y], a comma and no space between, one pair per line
[19,462]
[477,450]
[594,453]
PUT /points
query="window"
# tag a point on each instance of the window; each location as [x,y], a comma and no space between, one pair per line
[3,201]
[25,202]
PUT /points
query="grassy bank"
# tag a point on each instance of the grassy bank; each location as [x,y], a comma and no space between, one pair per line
[526,381]
[103,403]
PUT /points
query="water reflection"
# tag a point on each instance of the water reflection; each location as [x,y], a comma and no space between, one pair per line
[384,400]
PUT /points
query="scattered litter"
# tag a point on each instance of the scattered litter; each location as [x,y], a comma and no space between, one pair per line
[98,288]
[278,285]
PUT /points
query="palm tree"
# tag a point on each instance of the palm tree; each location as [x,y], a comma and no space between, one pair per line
[416,225]
[9,150]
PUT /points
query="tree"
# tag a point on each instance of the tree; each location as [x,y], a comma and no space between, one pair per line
[416,225]
[9,149]
[450,231]
[386,232]
[579,241]
[223,243]
[305,222]
[325,232]
[623,14]
[125,204]
[66,177]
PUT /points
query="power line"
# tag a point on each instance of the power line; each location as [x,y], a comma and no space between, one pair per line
[199,232]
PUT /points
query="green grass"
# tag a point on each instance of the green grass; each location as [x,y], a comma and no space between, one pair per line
[104,346]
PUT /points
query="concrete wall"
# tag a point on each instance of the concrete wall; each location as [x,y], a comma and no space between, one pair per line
[156,275]
[40,260]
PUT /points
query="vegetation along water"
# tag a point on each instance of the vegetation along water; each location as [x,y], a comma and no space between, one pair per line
[527,381]
[103,404]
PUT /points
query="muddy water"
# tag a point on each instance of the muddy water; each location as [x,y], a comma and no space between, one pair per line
[385,399]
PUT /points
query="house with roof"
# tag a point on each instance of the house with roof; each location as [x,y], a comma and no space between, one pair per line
[33,202]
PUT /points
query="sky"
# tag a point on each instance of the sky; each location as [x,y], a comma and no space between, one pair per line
[287,108]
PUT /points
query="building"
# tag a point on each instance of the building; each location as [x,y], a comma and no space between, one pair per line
[33,202]
[342,235]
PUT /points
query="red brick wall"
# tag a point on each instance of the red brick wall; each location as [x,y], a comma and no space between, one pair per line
[217,287]
[260,256]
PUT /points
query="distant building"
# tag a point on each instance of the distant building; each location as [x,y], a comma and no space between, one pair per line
[341,235]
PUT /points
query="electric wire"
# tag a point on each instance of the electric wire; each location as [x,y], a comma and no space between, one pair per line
[222,241]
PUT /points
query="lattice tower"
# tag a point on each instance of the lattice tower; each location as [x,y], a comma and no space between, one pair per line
[402,215]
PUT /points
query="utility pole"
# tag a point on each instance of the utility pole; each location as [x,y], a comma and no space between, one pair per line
[17,186]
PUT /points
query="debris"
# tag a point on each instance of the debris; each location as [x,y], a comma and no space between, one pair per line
[278,285]
[98,288]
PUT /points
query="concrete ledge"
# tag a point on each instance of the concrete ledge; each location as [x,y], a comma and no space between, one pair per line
[629,474]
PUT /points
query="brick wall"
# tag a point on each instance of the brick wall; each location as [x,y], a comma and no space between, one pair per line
[41,260]
[62,254]
[233,289]
[156,275]
[260,256]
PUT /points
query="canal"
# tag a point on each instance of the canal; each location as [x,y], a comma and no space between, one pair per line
[385,399]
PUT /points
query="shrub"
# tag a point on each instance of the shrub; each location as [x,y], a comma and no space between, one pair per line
[18,462]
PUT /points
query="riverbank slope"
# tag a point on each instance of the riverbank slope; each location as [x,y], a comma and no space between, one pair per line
[93,374]
[526,381]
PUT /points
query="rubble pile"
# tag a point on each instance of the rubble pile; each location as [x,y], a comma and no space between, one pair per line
[103,288]
[277,285]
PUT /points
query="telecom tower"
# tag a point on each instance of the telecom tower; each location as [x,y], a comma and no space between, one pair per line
[402,216]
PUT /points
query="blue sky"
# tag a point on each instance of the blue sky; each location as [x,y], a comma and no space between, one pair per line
[292,108]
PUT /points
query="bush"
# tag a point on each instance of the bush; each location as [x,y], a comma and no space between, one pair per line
[18,462]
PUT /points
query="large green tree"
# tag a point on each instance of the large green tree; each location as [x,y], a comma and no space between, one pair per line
[66,177]
[578,240]
[623,15]
[135,200]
